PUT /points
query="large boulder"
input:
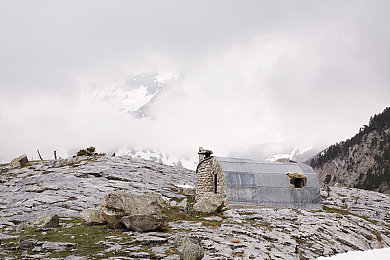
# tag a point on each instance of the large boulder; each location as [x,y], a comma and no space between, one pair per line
[138,212]
[21,161]
[48,221]
[209,202]
[142,223]
[188,248]
[93,216]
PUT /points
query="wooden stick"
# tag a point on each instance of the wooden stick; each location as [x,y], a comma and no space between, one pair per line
[39,155]
[55,155]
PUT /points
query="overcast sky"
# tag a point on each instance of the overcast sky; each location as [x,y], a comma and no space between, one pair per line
[303,73]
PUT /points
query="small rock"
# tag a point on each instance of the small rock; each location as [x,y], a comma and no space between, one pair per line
[37,249]
[189,191]
[183,203]
[37,256]
[57,246]
[22,226]
[209,202]
[93,216]
[114,248]
[140,255]
[324,193]
[188,248]
[27,244]
[21,161]
[213,218]
[75,257]
[148,239]
[5,236]
[173,203]
[107,244]
[159,249]
[49,221]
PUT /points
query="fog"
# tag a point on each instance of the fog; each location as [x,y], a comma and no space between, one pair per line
[238,76]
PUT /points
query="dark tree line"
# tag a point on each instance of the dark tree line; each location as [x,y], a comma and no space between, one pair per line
[380,173]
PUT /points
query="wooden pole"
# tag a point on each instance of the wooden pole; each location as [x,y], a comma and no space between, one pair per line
[40,157]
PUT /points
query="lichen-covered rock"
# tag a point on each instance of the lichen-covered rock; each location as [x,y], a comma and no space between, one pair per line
[48,221]
[142,223]
[93,216]
[21,161]
[209,202]
[188,248]
[135,207]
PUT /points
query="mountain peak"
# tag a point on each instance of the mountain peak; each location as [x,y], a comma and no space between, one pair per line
[134,95]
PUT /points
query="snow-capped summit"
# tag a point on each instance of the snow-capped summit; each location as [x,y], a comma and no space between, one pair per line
[134,95]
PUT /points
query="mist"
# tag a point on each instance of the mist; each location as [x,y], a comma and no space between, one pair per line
[239,77]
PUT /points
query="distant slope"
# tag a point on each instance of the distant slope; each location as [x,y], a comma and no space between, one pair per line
[362,161]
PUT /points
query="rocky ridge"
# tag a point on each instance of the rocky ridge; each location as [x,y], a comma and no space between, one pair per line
[66,187]
[351,219]
[362,161]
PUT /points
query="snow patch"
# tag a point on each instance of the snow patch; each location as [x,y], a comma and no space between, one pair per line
[185,186]
[375,254]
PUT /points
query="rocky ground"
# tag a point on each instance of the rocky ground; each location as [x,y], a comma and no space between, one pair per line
[351,219]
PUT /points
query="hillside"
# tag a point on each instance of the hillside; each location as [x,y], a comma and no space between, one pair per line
[351,219]
[362,161]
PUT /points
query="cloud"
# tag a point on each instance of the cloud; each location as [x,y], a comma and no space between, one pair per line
[249,74]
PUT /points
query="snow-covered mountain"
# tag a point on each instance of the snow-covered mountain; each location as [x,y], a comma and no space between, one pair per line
[134,95]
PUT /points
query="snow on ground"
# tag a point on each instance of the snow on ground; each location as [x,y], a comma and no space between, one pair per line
[376,254]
